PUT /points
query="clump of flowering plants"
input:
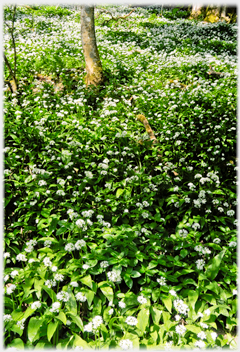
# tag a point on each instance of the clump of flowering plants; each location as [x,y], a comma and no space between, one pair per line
[112,241]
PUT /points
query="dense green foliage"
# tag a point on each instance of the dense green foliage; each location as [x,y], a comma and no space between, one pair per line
[119,231]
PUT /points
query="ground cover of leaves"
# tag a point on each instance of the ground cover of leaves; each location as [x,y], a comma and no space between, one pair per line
[112,241]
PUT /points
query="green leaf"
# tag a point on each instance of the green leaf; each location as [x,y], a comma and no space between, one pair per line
[33,328]
[192,297]
[71,304]
[213,269]
[77,320]
[52,327]
[78,341]
[167,302]
[143,318]
[183,253]
[107,291]
[155,314]
[87,280]
[119,192]
[193,328]
[61,316]
[50,292]
[16,343]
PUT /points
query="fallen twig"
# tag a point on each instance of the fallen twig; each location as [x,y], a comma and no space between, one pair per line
[115,18]
[148,128]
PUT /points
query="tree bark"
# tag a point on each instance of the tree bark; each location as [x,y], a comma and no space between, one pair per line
[93,63]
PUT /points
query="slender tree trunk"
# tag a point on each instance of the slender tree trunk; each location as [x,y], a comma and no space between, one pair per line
[93,63]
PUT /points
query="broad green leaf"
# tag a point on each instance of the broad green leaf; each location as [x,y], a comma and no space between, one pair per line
[52,327]
[213,269]
[50,292]
[29,311]
[119,192]
[33,328]
[155,314]
[61,316]
[71,304]
[77,320]
[193,328]
[87,280]
[108,292]
[192,297]
[143,318]
[167,302]
[78,341]
[183,253]
[17,344]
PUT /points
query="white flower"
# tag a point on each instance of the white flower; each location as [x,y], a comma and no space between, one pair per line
[54,268]
[200,344]
[200,315]
[69,247]
[68,322]
[168,345]
[114,276]
[47,243]
[6,255]
[79,244]
[173,293]
[10,289]
[7,318]
[36,305]
[195,226]
[207,312]
[47,261]
[180,329]
[142,299]
[6,277]
[110,312]
[234,292]
[104,264]
[88,327]
[202,335]
[122,305]
[230,212]
[177,317]
[20,324]
[42,183]
[126,344]
[216,240]
[74,284]
[200,264]
[214,335]
[97,321]
[21,257]
[131,321]
[80,297]
[85,266]
[55,307]
[232,244]
[203,325]
[59,277]
[63,296]
[80,223]
[180,306]
[14,273]
[161,281]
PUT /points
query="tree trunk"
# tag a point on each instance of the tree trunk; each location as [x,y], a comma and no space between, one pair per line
[93,63]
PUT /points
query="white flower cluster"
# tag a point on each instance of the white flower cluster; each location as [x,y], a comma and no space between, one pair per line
[20,324]
[180,329]
[142,299]
[104,264]
[180,306]
[126,344]
[114,276]
[47,261]
[10,289]
[196,226]
[81,224]
[30,245]
[21,257]
[183,233]
[202,250]
[131,321]
[80,297]
[55,307]
[50,283]
[36,305]
[87,213]
[161,281]
[94,324]
[63,296]
[200,264]
[7,318]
